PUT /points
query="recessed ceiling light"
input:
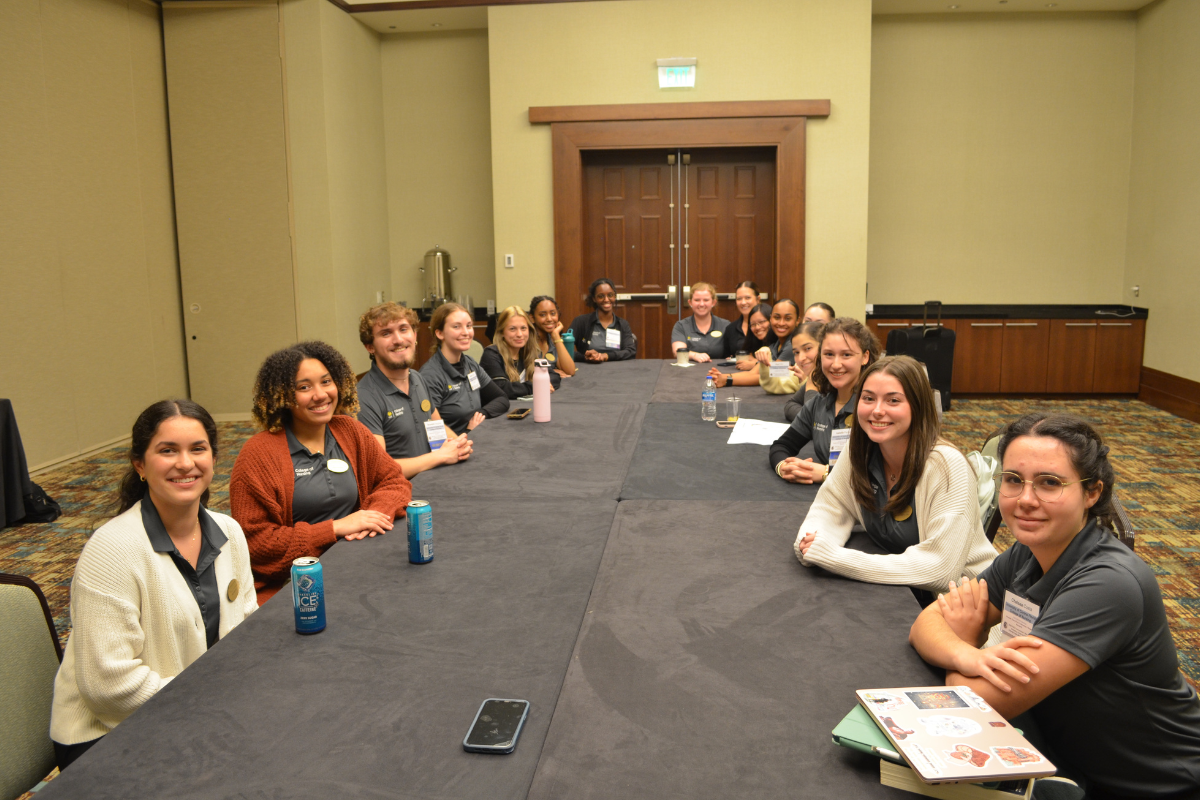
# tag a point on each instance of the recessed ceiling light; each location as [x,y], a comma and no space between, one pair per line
[437,25]
[393,27]
[951,7]
[1051,5]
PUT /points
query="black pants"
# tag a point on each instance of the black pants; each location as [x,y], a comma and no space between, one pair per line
[64,754]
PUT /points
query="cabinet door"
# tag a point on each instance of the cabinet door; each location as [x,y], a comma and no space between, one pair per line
[977,356]
[1072,355]
[881,328]
[1119,356]
[1026,344]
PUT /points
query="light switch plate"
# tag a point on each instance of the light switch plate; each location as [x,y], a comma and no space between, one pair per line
[509,261]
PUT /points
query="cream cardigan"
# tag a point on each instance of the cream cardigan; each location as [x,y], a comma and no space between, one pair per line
[952,540]
[136,624]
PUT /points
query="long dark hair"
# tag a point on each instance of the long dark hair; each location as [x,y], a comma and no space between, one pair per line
[596,284]
[854,330]
[132,488]
[924,433]
[1089,455]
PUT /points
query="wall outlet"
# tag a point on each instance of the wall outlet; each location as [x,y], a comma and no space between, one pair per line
[509,261]
[379,295]
[1137,291]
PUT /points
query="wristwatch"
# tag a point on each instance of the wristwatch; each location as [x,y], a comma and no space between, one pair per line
[729,379]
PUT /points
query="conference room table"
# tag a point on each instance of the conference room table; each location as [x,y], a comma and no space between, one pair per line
[621,567]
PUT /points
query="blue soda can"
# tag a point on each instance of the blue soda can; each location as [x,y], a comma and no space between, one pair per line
[308,595]
[420,532]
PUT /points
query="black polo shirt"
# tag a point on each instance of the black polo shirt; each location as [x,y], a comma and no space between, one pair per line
[1130,725]
[398,417]
[450,389]
[202,579]
[895,533]
[320,494]
[815,424]
[711,343]
[781,350]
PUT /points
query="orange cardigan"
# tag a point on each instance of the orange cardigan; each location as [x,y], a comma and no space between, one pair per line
[260,494]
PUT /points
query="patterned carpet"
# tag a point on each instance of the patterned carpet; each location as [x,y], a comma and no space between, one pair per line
[1156,456]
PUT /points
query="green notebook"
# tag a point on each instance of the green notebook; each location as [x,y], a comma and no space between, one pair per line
[859,732]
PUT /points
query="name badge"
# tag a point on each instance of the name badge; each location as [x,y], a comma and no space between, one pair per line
[839,438]
[612,338]
[337,465]
[435,432]
[779,369]
[473,379]
[1019,616]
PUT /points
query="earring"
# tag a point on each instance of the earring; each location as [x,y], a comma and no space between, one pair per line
[143,477]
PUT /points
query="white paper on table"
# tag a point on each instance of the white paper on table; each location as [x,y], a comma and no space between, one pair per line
[756,431]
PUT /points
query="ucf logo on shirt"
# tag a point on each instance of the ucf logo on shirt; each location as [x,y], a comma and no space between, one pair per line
[819,426]
[395,412]
[454,387]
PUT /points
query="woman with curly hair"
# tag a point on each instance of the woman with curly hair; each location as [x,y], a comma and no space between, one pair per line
[314,474]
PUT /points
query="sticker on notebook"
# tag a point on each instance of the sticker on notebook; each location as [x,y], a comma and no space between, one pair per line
[924,760]
[946,725]
[968,755]
[1016,757]
[895,730]
[941,699]
[879,702]
[975,700]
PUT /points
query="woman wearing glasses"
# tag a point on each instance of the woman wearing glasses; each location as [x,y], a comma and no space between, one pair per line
[1092,659]
[913,492]
[602,335]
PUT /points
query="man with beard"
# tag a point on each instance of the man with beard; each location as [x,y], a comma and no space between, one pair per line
[393,401]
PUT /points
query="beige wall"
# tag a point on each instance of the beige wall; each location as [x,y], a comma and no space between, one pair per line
[439,159]
[91,321]
[225,88]
[1000,157]
[604,52]
[1164,207]
[339,188]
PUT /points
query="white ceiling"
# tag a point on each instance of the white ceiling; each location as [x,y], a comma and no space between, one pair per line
[430,20]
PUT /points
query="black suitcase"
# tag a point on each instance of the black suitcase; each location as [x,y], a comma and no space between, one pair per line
[932,345]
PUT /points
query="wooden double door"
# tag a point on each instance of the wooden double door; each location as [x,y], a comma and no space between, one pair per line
[657,221]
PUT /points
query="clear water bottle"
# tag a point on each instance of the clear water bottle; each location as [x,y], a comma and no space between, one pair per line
[708,401]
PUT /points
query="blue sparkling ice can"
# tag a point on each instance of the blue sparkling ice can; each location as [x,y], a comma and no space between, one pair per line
[308,595]
[420,532]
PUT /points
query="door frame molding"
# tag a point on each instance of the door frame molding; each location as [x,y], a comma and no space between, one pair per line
[778,124]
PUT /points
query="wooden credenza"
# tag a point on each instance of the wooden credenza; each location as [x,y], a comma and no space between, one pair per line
[1023,350]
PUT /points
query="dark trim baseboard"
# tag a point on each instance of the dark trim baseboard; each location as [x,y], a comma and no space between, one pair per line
[413,5]
[1179,396]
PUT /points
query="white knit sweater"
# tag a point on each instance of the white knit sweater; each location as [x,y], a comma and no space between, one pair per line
[952,540]
[135,624]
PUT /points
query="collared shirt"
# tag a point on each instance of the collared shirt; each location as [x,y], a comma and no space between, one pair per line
[398,417]
[320,494]
[814,423]
[781,350]
[711,343]
[1131,723]
[450,389]
[895,533]
[201,579]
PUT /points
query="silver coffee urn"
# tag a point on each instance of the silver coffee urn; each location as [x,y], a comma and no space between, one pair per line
[437,269]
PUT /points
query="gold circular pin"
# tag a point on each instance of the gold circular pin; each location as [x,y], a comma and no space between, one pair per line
[903,514]
[232,591]
[850,421]
[425,406]
[550,357]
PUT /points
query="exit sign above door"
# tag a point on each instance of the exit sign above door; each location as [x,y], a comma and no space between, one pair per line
[676,73]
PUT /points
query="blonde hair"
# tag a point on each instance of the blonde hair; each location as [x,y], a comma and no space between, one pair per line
[703,286]
[527,355]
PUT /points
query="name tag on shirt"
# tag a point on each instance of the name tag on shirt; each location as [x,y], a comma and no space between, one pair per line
[779,369]
[1019,616]
[473,379]
[435,432]
[612,338]
[839,438]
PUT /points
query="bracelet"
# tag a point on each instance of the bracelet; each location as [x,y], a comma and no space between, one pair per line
[778,468]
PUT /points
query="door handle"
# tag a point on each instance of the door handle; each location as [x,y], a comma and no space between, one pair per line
[672,299]
[621,298]
[687,294]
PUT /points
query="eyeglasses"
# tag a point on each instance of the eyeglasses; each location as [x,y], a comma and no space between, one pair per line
[1046,487]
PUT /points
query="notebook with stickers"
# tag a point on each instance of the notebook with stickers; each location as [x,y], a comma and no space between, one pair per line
[949,734]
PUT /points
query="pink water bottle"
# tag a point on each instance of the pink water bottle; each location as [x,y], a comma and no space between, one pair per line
[541,390]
